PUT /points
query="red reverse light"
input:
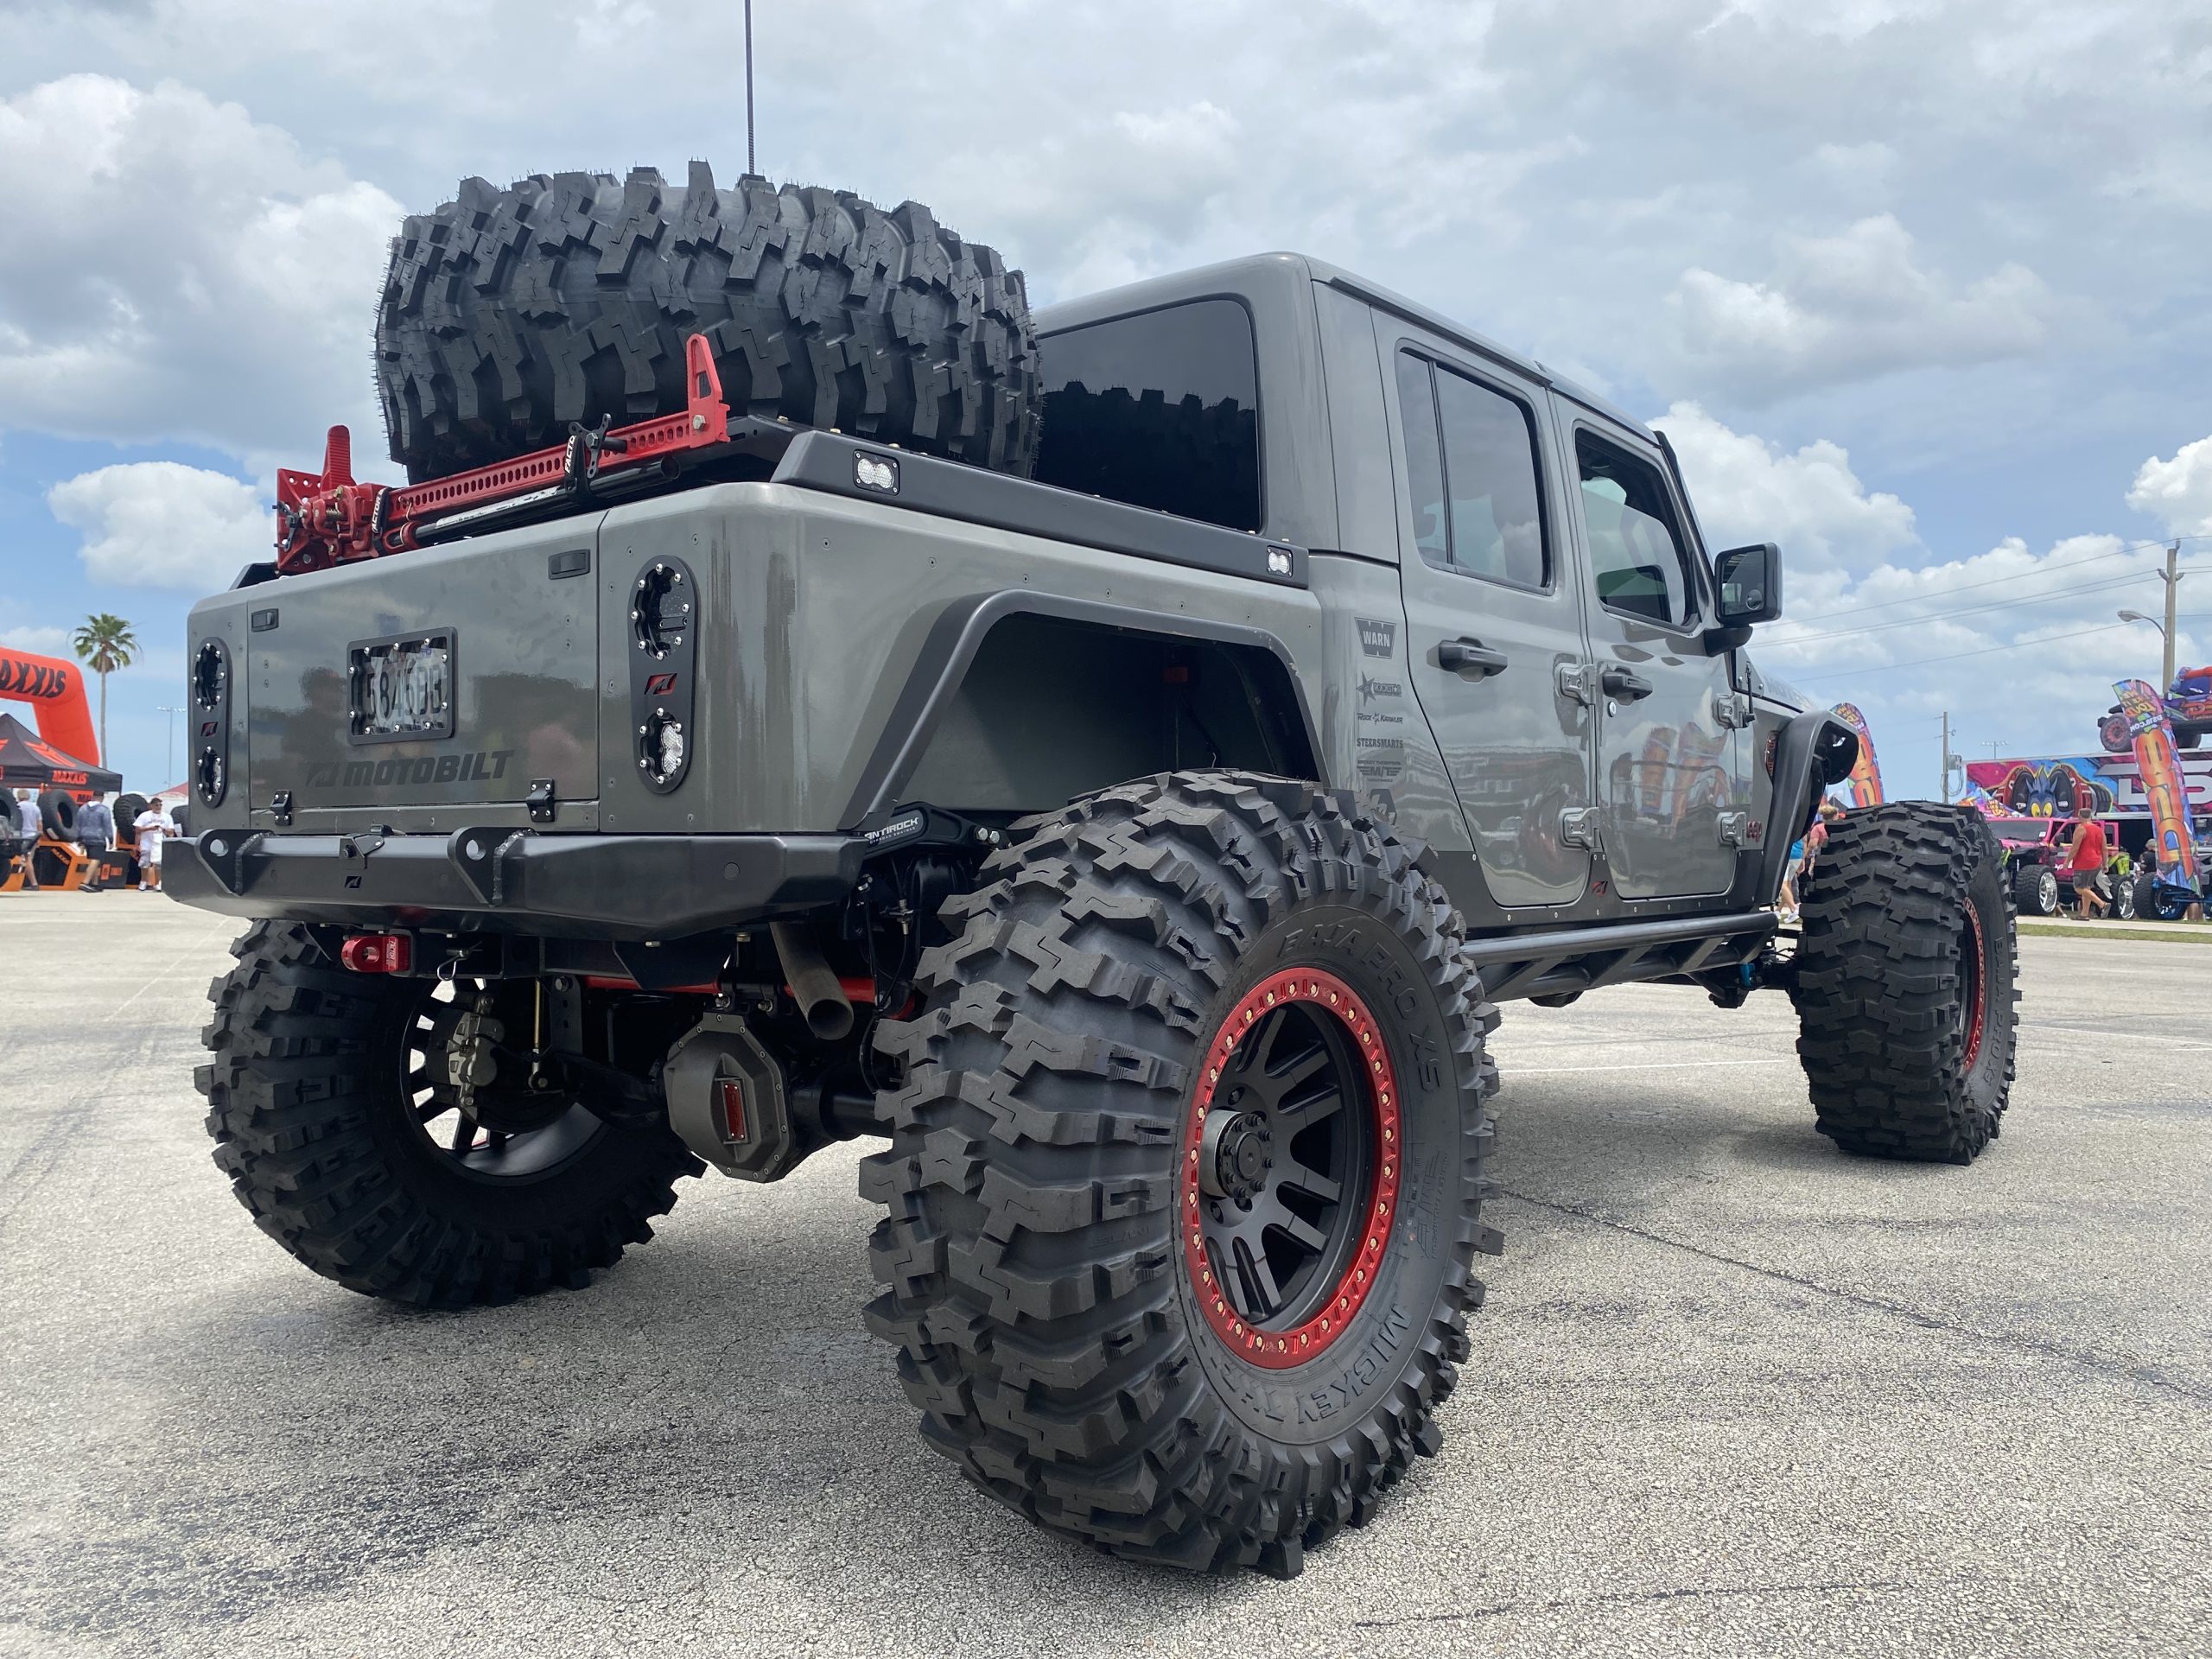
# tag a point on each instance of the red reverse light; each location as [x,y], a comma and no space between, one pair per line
[378,953]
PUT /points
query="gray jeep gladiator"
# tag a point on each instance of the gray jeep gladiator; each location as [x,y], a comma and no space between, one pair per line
[1120,758]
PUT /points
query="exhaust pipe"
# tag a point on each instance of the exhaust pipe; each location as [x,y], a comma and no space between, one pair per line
[822,999]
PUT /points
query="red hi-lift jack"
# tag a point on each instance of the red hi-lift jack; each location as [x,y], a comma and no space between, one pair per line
[327,518]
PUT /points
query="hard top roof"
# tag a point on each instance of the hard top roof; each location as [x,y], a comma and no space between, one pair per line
[1253,270]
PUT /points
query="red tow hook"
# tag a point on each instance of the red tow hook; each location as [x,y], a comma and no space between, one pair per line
[378,953]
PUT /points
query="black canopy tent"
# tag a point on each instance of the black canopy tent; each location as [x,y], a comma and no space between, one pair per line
[28,761]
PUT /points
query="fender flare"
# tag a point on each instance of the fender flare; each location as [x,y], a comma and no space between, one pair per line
[1809,744]
[958,633]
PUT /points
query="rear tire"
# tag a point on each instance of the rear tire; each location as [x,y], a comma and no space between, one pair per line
[1905,984]
[1062,1333]
[314,1123]
[508,314]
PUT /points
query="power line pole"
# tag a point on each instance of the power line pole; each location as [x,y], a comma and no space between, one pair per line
[1945,753]
[2172,577]
[171,763]
[749,165]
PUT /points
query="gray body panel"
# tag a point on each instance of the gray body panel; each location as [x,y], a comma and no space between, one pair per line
[854,652]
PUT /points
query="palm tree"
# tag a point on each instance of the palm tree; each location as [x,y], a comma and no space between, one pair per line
[103,645]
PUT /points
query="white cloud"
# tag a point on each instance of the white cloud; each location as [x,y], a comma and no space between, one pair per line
[2178,492]
[37,637]
[1808,501]
[175,270]
[1851,307]
[160,524]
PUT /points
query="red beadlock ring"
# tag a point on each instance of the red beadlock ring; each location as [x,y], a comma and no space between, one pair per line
[1278,1350]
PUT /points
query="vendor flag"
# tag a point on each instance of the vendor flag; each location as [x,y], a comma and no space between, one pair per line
[2171,842]
[1865,770]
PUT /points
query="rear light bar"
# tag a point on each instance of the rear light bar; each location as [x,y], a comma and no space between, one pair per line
[325,519]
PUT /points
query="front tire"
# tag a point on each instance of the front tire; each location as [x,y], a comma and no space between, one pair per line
[2035,890]
[1905,984]
[318,1099]
[1114,1313]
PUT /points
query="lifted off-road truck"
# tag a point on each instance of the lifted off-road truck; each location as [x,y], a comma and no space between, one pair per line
[724,749]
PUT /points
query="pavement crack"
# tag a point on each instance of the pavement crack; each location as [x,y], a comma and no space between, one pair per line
[2143,1375]
[1634,1597]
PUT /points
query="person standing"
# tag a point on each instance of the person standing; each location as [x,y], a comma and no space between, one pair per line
[150,828]
[28,828]
[95,834]
[2085,850]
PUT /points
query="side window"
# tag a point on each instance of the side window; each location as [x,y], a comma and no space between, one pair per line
[1424,457]
[1472,477]
[1490,461]
[1635,552]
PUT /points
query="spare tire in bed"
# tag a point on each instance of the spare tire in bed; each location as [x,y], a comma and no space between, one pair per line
[506,314]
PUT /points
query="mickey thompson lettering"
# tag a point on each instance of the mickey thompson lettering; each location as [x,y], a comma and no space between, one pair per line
[425,769]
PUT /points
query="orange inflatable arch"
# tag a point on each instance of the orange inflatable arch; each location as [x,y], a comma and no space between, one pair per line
[65,718]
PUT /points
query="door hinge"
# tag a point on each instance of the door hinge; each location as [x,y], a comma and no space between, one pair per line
[540,800]
[1731,710]
[1578,682]
[1732,828]
[1578,827]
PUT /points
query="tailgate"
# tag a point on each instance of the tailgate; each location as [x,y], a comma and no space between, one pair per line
[443,677]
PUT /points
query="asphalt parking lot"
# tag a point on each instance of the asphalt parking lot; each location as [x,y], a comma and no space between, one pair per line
[1732,1393]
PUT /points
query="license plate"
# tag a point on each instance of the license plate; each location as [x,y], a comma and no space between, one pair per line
[401,688]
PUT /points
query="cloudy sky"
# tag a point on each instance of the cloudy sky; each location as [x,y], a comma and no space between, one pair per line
[1920,289]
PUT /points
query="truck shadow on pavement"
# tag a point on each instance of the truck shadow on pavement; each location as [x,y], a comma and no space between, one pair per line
[709,1412]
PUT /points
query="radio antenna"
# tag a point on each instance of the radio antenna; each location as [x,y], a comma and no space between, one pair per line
[749,166]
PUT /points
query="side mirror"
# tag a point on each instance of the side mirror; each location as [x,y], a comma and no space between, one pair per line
[1750,583]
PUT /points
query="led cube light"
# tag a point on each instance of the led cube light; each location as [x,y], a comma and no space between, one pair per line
[876,473]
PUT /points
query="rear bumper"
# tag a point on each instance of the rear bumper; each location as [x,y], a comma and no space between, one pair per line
[507,880]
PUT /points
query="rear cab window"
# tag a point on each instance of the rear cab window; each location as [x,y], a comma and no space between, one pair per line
[1159,409]
[1471,462]
[1639,557]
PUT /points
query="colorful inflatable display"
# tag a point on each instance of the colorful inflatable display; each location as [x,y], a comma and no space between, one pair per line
[1866,772]
[2171,842]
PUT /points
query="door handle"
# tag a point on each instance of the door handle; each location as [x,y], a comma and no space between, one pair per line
[1624,684]
[1464,656]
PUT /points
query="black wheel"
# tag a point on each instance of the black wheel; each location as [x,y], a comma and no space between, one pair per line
[333,1115]
[1183,1185]
[57,814]
[2035,890]
[1904,983]
[2114,733]
[2123,898]
[507,313]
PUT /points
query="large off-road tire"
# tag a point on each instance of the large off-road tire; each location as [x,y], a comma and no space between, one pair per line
[508,314]
[1904,983]
[1144,995]
[320,1121]
[57,814]
[2035,890]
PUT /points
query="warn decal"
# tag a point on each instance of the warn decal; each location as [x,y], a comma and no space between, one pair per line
[489,765]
